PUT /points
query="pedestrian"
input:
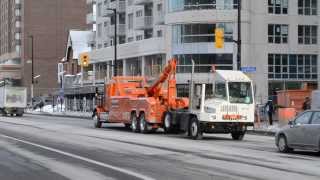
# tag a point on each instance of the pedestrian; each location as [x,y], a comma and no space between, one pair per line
[306,104]
[269,107]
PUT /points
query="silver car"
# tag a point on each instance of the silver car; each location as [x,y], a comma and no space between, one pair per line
[301,133]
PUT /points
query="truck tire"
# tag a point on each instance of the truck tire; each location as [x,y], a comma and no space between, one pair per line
[195,130]
[143,124]
[238,135]
[134,123]
[97,123]
[167,123]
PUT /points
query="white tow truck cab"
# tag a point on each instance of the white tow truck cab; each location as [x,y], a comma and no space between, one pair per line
[229,110]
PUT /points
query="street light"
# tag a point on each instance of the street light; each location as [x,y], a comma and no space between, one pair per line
[115,39]
[32,68]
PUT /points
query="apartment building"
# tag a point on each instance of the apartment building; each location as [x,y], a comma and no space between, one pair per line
[279,39]
[48,21]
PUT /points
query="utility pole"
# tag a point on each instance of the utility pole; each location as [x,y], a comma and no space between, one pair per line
[32,69]
[115,41]
[239,37]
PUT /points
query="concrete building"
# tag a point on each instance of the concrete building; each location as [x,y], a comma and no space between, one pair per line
[48,21]
[279,38]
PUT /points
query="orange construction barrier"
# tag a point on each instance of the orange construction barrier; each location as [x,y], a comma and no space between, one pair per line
[285,115]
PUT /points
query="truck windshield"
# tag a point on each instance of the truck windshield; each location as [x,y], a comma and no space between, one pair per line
[240,92]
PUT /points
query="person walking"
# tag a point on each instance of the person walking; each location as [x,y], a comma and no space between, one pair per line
[269,107]
[306,104]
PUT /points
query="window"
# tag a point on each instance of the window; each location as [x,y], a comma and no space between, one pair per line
[307,7]
[307,34]
[139,37]
[130,39]
[278,6]
[99,30]
[196,33]
[122,39]
[277,33]
[105,24]
[293,66]
[204,62]
[99,10]
[304,118]
[186,5]
[159,33]
[139,13]
[130,21]
[159,7]
[220,91]
[316,118]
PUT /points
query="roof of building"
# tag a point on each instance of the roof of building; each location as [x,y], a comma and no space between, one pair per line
[78,41]
[229,75]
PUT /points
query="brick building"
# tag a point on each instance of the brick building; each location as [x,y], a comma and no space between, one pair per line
[49,22]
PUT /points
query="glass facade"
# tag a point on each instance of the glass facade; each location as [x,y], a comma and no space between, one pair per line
[292,66]
[196,33]
[204,62]
[185,5]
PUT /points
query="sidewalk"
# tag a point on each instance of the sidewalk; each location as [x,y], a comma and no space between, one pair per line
[265,129]
[60,112]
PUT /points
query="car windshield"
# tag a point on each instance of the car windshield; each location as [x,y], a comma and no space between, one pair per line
[240,92]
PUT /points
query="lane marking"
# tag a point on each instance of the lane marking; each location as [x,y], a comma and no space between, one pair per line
[115,168]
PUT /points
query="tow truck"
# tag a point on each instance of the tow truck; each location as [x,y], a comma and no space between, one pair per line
[145,108]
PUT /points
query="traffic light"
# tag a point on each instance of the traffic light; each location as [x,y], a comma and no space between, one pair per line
[84,60]
[219,38]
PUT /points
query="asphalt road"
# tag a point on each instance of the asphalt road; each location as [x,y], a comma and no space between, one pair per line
[54,148]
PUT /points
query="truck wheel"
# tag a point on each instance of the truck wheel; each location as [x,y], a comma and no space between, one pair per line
[195,129]
[97,123]
[134,123]
[143,124]
[239,135]
[167,123]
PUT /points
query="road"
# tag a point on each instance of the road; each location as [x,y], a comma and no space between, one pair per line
[54,148]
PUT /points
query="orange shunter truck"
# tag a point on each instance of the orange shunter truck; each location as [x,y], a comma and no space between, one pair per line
[142,107]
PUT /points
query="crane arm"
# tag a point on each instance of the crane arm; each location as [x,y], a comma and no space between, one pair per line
[170,69]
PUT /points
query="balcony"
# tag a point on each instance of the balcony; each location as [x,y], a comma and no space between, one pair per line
[142,2]
[121,30]
[91,19]
[145,22]
[159,18]
[120,6]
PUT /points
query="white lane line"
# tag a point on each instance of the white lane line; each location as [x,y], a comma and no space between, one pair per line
[115,168]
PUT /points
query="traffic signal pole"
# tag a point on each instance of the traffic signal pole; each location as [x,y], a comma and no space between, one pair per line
[239,37]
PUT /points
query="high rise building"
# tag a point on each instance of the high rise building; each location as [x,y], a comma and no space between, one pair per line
[280,40]
[48,22]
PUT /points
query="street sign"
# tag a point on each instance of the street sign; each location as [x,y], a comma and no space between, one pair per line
[249,69]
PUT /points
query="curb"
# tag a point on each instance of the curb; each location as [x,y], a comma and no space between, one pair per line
[261,133]
[59,115]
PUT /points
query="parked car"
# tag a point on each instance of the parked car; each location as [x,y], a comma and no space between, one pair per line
[301,133]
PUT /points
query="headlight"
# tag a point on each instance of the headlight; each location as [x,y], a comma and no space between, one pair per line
[210,110]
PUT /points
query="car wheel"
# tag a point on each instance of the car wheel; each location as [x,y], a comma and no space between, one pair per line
[283,145]
[195,129]
[134,123]
[143,124]
[238,135]
[97,123]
